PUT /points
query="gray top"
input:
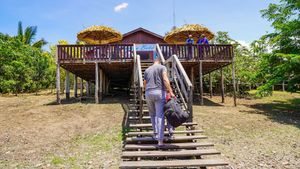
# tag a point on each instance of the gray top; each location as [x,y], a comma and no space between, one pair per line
[154,78]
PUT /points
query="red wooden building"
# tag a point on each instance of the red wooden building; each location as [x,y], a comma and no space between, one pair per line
[121,65]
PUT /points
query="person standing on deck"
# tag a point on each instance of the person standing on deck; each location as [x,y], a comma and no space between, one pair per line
[202,40]
[157,83]
[190,42]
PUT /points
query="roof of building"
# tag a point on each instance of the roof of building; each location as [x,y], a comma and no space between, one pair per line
[143,30]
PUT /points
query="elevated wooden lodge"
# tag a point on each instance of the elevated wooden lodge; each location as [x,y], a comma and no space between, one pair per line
[121,65]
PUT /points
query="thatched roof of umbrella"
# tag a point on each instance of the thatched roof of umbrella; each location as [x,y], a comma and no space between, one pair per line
[179,35]
[99,35]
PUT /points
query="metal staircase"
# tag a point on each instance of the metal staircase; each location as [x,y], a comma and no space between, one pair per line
[187,148]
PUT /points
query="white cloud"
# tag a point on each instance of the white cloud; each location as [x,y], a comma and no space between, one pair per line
[244,43]
[120,7]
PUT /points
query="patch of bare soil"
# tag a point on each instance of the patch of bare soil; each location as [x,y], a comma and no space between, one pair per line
[258,133]
[34,132]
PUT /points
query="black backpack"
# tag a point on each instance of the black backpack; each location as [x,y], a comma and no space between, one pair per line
[174,114]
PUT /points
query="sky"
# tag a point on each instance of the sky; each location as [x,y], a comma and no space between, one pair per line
[63,19]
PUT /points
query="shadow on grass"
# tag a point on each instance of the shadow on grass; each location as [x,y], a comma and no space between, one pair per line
[206,102]
[121,97]
[285,112]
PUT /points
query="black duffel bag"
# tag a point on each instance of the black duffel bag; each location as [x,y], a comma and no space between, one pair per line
[174,114]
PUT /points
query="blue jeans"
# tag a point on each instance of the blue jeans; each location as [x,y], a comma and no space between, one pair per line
[156,100]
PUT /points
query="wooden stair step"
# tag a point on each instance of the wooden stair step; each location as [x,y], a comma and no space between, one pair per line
[136,111]
[168,146]
[173,163]
[137,118]
[145,125]
[174,139]
[150,133]
[179,153]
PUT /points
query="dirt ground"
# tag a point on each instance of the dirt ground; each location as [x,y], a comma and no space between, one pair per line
[36,133]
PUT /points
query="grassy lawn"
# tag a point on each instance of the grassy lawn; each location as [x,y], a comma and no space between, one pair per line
[35,133]
[258,133]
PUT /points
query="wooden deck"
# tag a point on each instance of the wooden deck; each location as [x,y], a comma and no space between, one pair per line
[116,60]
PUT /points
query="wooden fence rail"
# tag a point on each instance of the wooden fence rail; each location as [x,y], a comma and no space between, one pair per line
[198,52]
[121,52]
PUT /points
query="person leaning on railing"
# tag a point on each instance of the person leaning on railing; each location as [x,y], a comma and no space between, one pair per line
[202,41]
[190,42]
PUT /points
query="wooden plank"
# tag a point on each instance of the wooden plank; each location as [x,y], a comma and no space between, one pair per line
[173,163]
[201,82]
[67,83]
[150,133]
[150,125]
[97,83]
[176,138]
[222,86]
[190,145]
[179,153]
[75,86]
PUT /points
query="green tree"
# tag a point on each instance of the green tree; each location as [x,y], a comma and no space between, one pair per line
[27,36]
[283,63]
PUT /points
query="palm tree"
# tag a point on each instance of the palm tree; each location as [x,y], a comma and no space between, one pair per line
[28,35]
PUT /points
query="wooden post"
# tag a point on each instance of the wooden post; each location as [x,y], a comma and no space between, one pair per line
[190,104]
[210,85]
[67,85]
[201,83]
[283,87]
[58,101]
[233,81]
[101,85]
[97,83]
[107,85]
[222,86]
[192,76]
[104,83]
[87,88]
[75,86]
[81,87]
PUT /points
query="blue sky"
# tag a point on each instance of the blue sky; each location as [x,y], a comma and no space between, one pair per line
[62,19]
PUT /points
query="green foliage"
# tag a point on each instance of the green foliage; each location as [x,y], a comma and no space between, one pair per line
[23,68]
[284,61]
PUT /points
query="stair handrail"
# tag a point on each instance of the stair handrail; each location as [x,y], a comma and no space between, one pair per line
[159,52]
[138,79]
[184,84]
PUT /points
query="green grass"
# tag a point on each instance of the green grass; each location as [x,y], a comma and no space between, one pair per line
[83,149]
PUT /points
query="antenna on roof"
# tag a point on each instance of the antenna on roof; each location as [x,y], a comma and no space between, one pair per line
[174,16]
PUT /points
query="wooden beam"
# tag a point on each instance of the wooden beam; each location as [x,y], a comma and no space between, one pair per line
[222,85]
[233,81]
[81,87]
[97,83]
[192,76]
[75,86]
[101,85]
[67,82]
[58,101]
[210,85]
[201,82]
[87,88]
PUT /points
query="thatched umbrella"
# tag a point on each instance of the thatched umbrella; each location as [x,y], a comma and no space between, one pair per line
[99,35]
[179,35]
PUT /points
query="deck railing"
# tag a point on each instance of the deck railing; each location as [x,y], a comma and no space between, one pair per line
[198,52]
[123,52]
[95,52]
